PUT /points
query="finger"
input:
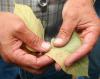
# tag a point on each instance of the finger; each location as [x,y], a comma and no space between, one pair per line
[32,40]
[57,67]
[23,65]
[65,33]
[23,59]
[29,60]
[88,43]
[44,61]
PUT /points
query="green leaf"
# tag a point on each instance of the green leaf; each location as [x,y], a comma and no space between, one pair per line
[29,18]
[32,22]
[80,68]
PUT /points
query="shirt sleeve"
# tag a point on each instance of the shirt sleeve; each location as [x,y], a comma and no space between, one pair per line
[94,1]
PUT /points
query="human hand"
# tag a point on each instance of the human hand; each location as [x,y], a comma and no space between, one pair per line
[79,16]
[13,33]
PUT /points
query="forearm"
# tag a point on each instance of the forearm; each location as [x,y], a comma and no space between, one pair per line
[83,1]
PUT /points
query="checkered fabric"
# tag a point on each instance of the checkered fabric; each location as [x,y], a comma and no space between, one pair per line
[50,15]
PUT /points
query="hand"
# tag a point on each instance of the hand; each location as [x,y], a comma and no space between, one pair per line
[13,33]
[79,16]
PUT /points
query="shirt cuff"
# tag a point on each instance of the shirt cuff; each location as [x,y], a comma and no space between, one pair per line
[94,1]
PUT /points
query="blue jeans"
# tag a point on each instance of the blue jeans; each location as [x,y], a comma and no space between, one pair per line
[8,71]
[94,66]
[50,73]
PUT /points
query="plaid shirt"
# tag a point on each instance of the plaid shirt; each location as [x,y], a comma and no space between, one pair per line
[50,17]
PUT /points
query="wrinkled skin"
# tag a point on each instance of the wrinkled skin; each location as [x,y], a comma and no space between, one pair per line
[77,16]
[13,33]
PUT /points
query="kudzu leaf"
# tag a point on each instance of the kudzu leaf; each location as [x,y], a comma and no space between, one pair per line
[29,18]
[32,22]
[80,68]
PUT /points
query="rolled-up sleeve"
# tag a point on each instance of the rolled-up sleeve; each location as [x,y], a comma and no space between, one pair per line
[94,1]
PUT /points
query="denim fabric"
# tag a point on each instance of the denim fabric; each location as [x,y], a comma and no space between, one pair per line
[94,67]
[8,71]
[50,73]
[97,7]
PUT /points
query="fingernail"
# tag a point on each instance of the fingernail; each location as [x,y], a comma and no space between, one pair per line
[46,45]
[58,41]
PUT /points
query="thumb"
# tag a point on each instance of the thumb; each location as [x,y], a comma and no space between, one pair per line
[32,40]
[65,33]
